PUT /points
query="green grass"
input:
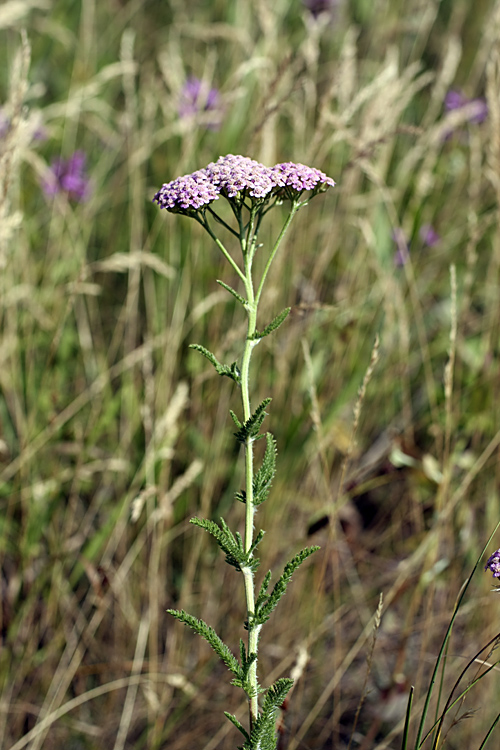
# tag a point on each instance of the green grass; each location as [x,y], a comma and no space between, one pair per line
[113,433]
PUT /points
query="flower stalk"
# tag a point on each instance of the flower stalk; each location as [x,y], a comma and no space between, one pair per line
[251,190]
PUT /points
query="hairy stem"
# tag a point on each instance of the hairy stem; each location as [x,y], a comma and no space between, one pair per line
[248,242]
[251,309]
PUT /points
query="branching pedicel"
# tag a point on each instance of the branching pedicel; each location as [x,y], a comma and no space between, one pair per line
[251,189]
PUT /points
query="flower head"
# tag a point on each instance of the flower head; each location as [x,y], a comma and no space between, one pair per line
[68,176]
[235,175]
[298,177]
[493,564]
[190,192]
[237,178]
[195,98]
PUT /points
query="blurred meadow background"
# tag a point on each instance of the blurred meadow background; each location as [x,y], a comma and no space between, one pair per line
[114,433]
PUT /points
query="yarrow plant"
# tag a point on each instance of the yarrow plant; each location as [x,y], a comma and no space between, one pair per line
[251,190]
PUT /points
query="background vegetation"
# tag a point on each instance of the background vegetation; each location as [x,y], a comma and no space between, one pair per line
[113,433]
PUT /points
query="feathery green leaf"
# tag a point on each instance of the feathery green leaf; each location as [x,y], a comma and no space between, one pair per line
[267,605]
[265,475]
[235,419]
[232,291]
[250,429]
[231,546]
[231,371]
[273,325]
[201,628]
[232,718]
[263,734]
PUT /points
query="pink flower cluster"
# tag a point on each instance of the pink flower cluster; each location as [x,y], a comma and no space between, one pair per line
[238,177]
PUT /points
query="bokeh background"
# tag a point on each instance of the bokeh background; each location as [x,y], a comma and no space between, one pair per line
[114,433]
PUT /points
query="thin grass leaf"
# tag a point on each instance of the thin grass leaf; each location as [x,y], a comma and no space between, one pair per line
[418,739]
[493,643]
[489,733]
[406,729]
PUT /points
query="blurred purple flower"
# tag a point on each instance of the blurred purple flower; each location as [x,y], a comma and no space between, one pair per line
[402,248]
[68,176]
[456,100]
[428,235]
[4,124]
[493,564]
[317,7]
[196,98]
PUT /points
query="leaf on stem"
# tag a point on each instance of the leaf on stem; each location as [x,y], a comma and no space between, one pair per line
[263,734]
[273,325]
[232,718]
[250,429]
[246,662]
[262,596]
[231,545]
[201,628]
[231,371]
[266,604]
[232,291]
[235,419]
[265,475]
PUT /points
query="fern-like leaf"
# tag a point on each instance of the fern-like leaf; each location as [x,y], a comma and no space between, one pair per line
[201,628]
[231,546]
[232,291]
[244,681]
[232,718]
[241,495]
[250,429]
[235,419]
[262,595]
[265,475]
[263,734]
[267,605]
[231,371]
[273,325]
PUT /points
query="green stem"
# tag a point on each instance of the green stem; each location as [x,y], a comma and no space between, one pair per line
[295,207]
[248,241]
[221,247]
[251,309]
